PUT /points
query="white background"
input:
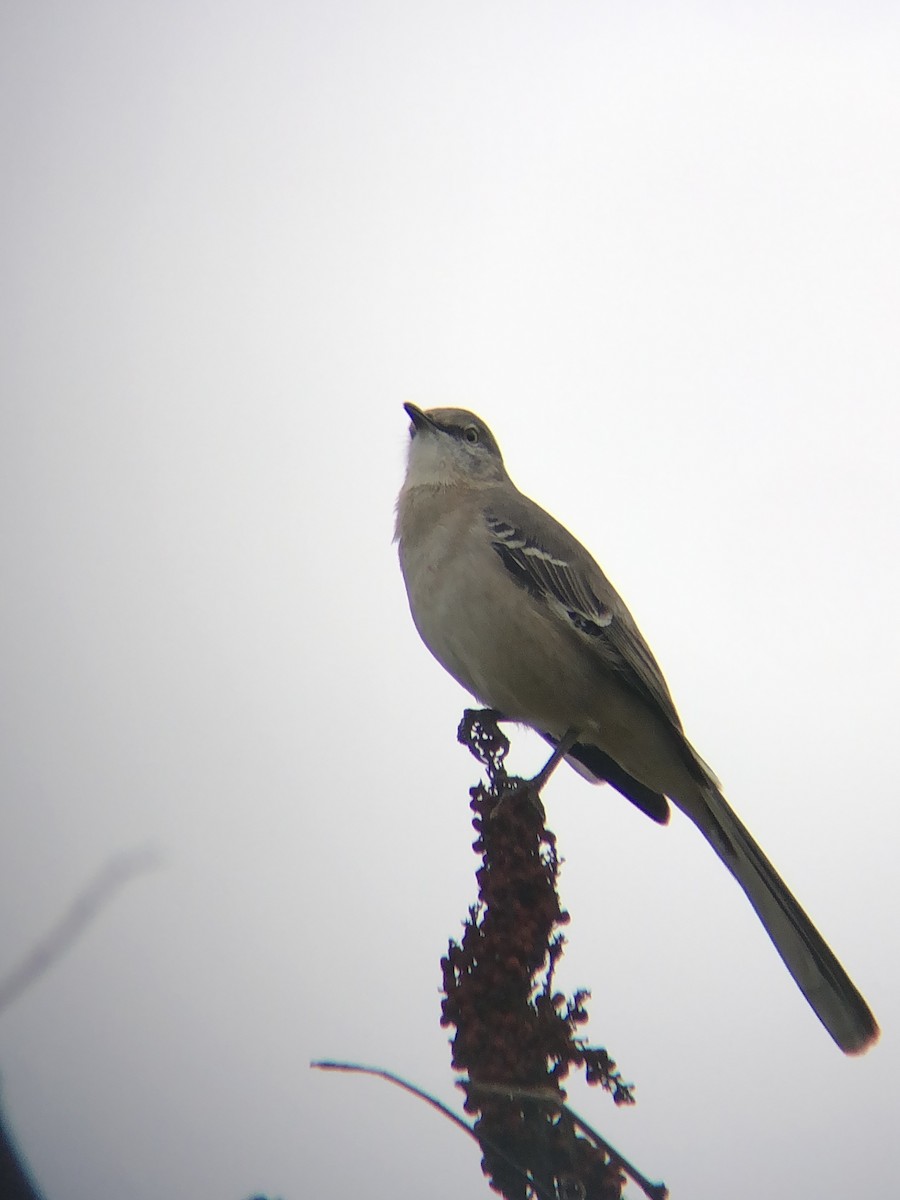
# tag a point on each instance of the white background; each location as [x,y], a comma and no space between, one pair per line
[657,248]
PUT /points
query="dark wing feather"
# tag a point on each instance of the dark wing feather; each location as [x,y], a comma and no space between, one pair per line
[557,571]
[605,769]
[549,577]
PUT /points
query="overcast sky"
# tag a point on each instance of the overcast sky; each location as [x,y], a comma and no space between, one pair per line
[657,248]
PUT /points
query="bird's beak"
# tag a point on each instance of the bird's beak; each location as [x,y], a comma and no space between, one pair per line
[419,418]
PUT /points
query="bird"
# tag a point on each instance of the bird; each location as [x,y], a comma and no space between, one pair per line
[516,609]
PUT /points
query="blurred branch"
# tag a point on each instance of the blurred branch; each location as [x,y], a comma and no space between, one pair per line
[15,1182]
[84,909]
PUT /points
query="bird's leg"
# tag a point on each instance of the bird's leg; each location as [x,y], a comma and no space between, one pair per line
[563,746]
[530,789]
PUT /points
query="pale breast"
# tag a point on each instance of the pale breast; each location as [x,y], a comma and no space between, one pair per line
[479,623]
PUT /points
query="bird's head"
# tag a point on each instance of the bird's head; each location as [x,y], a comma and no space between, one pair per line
[449,446]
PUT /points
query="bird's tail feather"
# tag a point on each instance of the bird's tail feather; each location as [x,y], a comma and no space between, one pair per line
[817,972]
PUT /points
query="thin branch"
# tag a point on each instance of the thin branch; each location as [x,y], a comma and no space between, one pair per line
[86,906]
[356,1068]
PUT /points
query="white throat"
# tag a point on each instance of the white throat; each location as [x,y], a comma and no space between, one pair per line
[433,462]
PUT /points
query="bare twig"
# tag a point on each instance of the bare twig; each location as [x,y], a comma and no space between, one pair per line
[379,1073]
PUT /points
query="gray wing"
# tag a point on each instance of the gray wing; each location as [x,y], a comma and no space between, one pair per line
[545,559]
[549,577]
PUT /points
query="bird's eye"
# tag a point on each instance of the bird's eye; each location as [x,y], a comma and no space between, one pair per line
[471,435]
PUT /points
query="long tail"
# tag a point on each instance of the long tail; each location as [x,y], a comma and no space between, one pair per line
[823,981]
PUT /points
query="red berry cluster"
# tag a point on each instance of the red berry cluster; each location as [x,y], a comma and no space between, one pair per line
[514,1033]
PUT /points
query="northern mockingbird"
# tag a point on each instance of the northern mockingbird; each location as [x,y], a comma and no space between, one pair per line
[515,608]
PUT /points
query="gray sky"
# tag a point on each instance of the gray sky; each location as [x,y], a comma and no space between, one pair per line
[657,248]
